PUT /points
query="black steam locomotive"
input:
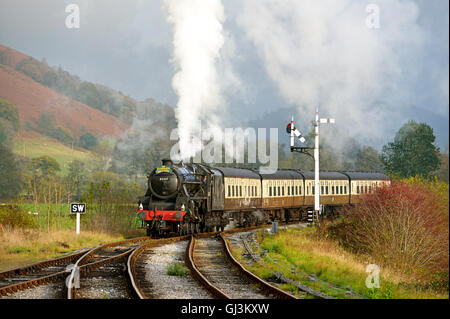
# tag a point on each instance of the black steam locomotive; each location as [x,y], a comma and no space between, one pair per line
[189,198]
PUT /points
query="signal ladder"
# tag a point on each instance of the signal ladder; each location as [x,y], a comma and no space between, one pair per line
[313,218]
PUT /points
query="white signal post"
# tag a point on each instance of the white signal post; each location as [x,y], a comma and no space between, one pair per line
[317,123]
[295,132]
[292,132]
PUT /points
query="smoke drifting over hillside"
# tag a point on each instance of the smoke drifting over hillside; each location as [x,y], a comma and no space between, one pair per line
[323,54]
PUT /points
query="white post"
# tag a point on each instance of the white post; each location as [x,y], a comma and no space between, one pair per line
[78,223]
[316,124]
[316,162]
[292,132]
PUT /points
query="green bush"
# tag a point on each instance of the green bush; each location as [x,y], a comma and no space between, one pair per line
[9,112]
[12,216]
[88,141]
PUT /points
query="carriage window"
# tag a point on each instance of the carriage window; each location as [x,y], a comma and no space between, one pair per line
[357,189]
[289,190]
[321,190]
[300,190]
[270,190]
[232,190]
[340,190]
[326,190]
[279,191]
[345,189]
[332,190]
[253,190]
[366,189]
[282,191]
[229,191]
[313,190]
[240,191]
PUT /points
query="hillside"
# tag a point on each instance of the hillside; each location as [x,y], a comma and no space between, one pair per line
[31,145]
[32,99]
[50,101]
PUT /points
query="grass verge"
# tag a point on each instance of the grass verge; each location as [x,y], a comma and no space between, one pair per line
[324,266]
[20,247]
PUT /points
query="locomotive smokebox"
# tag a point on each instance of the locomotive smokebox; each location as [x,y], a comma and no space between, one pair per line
[163,181]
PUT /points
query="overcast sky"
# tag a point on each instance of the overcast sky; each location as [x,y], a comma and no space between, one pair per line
[281,55]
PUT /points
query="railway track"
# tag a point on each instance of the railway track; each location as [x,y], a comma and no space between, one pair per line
[103,261]
[213,265]
[96,259]
[226,277]
[57,270]
[141,273]
[37,274]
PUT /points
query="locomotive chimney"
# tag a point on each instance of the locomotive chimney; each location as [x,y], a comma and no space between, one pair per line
[167,162]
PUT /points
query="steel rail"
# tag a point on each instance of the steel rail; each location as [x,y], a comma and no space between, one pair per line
[132,259]
[30,269]
[39,265]
[189,260]
[268,288]
[84,267]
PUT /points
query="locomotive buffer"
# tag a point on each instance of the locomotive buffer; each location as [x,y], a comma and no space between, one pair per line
[291,129]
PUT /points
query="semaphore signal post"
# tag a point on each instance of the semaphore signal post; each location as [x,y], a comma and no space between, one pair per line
[305,150]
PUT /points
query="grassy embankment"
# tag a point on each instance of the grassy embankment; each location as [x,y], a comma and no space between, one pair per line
[19,247]
[36,145]
[34,233]
[299,253]
[27,238]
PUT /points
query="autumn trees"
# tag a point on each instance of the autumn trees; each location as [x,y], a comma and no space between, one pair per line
[413,152]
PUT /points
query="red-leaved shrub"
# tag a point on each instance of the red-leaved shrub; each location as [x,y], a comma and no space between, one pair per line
[402,226]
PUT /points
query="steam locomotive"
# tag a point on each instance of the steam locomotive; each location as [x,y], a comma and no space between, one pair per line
[188,198]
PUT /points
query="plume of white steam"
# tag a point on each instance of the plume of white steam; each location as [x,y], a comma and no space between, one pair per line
[323,54]
[198,38]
